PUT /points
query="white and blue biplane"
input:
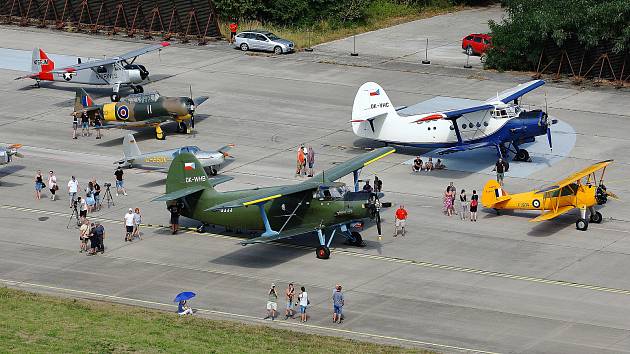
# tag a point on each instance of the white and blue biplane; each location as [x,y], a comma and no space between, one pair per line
[452,124]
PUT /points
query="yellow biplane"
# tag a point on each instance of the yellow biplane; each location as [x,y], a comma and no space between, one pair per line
[582,190]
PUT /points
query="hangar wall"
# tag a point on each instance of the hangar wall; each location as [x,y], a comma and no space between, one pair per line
[184,20]
[574,60]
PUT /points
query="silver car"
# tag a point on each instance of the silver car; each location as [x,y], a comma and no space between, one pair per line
[263,40]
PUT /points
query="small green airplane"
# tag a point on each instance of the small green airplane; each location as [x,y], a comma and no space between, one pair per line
[318,205]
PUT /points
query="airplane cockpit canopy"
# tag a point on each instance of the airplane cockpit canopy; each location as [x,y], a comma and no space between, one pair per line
[506,111]
[147,97]
[191,149]
[330,193]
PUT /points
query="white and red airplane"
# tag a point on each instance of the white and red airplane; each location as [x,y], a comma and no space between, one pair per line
[116,71]
[452,124]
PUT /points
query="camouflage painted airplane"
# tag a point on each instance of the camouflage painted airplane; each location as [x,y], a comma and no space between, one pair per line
[142,110]
[318,205]
[116,71]
[161,160]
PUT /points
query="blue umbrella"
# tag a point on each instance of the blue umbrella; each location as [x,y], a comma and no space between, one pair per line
[183,296]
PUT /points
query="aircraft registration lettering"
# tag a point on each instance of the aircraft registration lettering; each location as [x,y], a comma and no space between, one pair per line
[156,159]
[195,179]
[379,105]
[225,210]
[523,205]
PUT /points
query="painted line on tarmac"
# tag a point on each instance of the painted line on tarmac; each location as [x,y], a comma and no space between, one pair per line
[119,299]
[422,264]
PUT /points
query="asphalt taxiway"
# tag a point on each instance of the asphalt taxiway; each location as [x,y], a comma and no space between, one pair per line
[501,284]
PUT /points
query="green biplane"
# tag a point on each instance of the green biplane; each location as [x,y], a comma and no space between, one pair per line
[316,206]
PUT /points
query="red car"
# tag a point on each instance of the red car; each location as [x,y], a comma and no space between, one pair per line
[476,43]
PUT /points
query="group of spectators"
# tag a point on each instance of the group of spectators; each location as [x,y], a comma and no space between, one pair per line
[84,119]
[91,235]
[468,208]
[133,220]
[301,301]
[305,161]
[418,166]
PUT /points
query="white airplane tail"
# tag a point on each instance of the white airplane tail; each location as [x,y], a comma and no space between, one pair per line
[40,62]
[130,147]
[370,109]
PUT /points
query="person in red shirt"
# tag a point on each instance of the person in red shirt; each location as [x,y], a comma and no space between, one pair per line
[233,29]
[401,218]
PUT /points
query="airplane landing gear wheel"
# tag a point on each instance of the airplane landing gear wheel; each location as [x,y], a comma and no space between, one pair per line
[114,97]
[181,127]
[522,155]
[137,89]
[581,224]
[322,252]
[596,218]
[213,171]
[358,240]
[159,133]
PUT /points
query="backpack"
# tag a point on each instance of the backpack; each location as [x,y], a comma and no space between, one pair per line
[473,203]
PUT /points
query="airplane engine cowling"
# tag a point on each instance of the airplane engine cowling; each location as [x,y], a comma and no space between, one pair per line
[135,76]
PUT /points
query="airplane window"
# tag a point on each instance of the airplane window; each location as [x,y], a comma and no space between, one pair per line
[429,128]
[463,126]
[452,127]
[485,124]
[193,149]
[434,128]
[478,125]
[184,149]
[470,125]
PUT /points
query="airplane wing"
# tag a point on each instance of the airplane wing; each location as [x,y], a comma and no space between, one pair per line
[334,173]
[267,195]
[510,95]
[200,100]
[576,176]
[553,213]
[464,147]
[284,234]
[132,125]
[112,60]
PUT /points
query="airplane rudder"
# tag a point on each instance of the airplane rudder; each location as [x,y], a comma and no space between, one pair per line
[47,64]
[130,147]
[371,100]
[185,171]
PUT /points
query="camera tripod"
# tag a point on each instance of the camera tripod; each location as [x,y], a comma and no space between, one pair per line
[75,214]
[108,197]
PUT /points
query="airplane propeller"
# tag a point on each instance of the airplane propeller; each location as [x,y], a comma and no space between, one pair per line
[548,122]
[192,114]
[374,206]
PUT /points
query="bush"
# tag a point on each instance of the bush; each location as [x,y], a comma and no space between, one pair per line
[519,39]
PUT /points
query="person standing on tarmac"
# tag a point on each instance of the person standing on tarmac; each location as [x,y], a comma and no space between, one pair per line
[233,29]
[401,220]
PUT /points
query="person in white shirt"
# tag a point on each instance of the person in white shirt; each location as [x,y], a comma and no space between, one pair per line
[303,297]
[129,224]
[73,188]
[52,184]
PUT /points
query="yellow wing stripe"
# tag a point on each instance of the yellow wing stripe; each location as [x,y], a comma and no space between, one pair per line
[262,199]
[379,157]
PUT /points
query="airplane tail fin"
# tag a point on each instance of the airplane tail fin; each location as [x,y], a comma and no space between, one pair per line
[82,100]
[40,62]
[186,172]
[370,109]
[130,147]
[493,194]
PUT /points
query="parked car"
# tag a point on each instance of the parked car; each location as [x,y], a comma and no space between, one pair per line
[476,43]
[263,40]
